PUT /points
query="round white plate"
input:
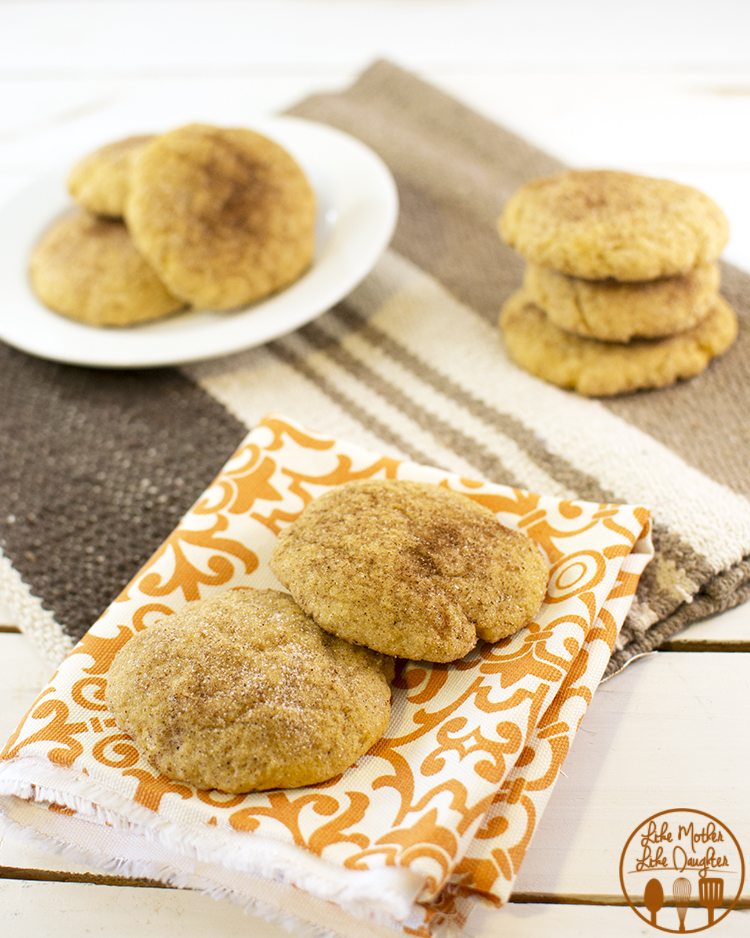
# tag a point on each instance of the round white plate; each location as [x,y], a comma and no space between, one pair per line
[357,210]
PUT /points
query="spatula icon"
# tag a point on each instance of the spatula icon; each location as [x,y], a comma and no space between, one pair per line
[681,889]
[653,898]
[711,894]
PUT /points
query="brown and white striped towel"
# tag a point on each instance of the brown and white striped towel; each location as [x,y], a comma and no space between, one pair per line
[97,467]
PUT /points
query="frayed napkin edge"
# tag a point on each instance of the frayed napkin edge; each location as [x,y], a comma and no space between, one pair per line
[393,891]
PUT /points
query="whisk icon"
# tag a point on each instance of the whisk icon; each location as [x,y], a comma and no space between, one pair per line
[681,892]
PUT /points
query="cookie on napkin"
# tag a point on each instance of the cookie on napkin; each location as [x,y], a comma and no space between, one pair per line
[393,842]
[410,570]
[243,692]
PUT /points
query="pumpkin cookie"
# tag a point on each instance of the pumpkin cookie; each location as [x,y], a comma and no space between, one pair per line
[604,368]
[243,692]
[618,312]
[225,217]
[598,224]
[409,569]
[88,269]
[100,181]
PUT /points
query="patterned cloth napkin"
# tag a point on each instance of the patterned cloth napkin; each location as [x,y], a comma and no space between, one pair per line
[96,468]
[438,814]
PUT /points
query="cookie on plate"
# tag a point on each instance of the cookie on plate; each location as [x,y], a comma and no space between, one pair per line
[597,224]
[409,569]
[87,268]
[225,216]
[618,312]
[243,692]
[100,181]
[599,368]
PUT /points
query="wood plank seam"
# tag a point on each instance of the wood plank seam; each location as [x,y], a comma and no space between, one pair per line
[92,879]
[28,874]
[707,645]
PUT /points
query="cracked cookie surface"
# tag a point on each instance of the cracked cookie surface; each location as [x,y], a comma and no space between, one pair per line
[618,312]
[225,216]
[243,692]
[410,569]
[598,224]
[87,268]
[599,368]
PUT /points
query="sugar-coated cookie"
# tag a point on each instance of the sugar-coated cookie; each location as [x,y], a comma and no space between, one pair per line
[225,216]
[243,692]
[87,268]
[409,569]
[618,312]
[100,182]
[597,224]
[599,368]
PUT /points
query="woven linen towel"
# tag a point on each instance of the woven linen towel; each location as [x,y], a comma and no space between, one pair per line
[437,814]
[97,468]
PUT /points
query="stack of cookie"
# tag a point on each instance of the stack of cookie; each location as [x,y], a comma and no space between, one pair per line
[201,216]
[621,287]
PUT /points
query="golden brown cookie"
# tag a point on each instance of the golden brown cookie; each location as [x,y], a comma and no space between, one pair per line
[243,692]
[604,368]
[618,312]
[100,181]
[225,217]
[409,569]
[597,224]
[88,269]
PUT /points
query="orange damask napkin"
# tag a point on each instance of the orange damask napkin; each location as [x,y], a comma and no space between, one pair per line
[435,818]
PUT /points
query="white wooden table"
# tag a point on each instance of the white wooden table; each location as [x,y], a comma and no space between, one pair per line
[654,87]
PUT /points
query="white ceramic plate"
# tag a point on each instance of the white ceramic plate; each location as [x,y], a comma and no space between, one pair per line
[357,210]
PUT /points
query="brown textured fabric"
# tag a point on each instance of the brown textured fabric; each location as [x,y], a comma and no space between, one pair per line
[455,170]
[713,429]
[99,466]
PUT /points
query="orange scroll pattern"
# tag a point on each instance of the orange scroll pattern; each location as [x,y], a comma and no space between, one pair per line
[456,788]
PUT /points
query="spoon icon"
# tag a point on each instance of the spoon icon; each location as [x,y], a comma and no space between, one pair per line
[653,898]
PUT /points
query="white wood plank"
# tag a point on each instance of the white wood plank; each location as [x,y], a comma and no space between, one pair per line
[128,37]
[16,855]
[670,731]
[727,628]
[577,921]
[121,912]
[599,118]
